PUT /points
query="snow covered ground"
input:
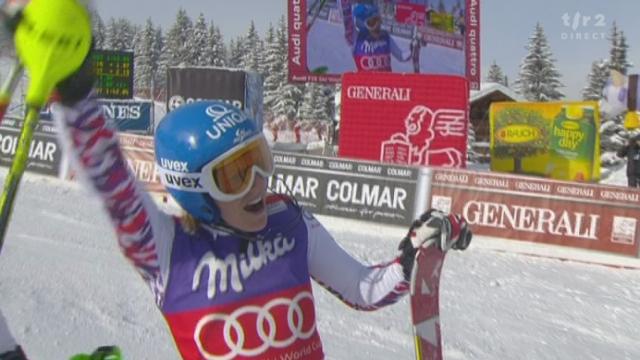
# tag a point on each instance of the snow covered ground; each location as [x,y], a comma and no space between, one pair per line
[65,288]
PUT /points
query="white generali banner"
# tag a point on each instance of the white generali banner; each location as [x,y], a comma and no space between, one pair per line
[573,214]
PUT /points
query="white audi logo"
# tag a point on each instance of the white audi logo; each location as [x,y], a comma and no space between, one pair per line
[375,62]
[267,337]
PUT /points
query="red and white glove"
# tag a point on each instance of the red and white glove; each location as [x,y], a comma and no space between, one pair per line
[446,231]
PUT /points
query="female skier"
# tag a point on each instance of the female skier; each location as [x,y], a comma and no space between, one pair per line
[371,46]
[236,283]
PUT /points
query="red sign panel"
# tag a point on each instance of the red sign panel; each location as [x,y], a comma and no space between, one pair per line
[139,153]
[405,119]
[587,216]
[411,14]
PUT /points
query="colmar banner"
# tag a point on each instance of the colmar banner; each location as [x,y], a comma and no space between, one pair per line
[346,188]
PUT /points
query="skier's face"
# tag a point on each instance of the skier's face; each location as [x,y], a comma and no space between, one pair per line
[248,213]
[374,24]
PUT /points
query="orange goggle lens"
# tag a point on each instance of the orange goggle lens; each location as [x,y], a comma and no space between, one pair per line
[234,174]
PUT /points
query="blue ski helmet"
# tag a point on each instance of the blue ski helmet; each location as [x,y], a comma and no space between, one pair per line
[189,138]
[363,12]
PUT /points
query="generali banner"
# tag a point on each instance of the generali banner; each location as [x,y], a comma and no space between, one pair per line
[595,217]
[347,188]
[329,38]
[405,119]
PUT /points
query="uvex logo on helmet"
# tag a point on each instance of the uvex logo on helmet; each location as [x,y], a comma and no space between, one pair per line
[223,118]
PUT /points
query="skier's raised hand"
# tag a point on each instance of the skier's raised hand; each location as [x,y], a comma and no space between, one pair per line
[79,84]
[433,227]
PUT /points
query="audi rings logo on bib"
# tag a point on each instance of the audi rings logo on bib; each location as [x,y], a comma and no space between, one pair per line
[251,330]
[375,62]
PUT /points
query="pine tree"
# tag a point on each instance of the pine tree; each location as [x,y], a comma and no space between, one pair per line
[236,53]
[596,80]
[273,78]
[143,58]
[218,51]
[288,101]
[288,96]
[159,68]
[252,49]
[538,78]
[202,51]
[312,106]
[618,52]
[496,75]
[178,40]
[613,136]
[99,31]
[120,33]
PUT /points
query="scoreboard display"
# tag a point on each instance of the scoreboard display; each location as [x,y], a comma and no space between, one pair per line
[114,73]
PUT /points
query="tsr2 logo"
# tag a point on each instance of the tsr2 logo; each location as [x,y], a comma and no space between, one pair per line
[583,27]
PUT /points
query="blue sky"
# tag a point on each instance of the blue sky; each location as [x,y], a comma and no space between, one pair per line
[506,26]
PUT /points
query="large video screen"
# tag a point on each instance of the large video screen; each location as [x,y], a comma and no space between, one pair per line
[330,37]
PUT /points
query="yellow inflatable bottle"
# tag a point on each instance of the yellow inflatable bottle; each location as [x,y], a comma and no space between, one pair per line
[572,143]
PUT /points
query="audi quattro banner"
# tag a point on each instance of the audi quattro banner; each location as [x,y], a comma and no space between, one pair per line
[139,152]
[405,119]
[330,37]
[556,140]
[238,87]
[346,188]
[45,153]
[587,216]
[130,116]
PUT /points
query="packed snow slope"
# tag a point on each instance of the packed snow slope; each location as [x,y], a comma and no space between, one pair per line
[65,288]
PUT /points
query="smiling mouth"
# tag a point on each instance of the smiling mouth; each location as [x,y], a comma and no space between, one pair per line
[255,206]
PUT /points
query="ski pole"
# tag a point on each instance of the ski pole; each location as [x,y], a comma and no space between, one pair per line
[52,38]
[9,86]
[17,169]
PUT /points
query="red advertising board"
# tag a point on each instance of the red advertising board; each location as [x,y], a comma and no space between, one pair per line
[587,216]
[406,119]
[139,153]
[413,14]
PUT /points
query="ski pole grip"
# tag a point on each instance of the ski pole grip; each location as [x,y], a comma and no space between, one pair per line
[52,39]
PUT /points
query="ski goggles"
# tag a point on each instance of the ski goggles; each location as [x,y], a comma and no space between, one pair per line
[230,176]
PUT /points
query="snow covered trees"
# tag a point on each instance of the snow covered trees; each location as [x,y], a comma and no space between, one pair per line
[538,78]
[201,43]
[496,75]
[596,80]
[618,52]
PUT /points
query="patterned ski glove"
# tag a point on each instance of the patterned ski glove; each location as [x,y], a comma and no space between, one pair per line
[445,231]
